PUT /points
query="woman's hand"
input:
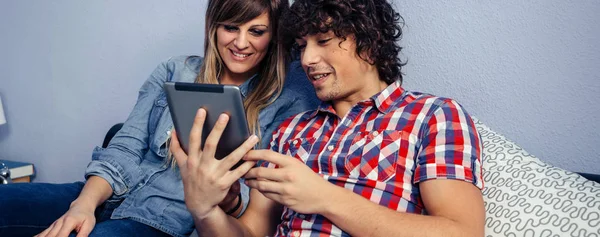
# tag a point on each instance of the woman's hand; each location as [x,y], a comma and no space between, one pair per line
[207,180]
[80,218]
[230,201]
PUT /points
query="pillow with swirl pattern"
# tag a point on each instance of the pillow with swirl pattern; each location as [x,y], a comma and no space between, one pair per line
[524,196]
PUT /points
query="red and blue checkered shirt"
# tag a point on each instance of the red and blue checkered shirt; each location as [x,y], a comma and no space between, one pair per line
[380,150]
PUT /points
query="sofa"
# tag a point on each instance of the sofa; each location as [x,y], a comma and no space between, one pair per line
[525,196]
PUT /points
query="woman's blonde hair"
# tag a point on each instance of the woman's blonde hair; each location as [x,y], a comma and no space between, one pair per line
[272,70]
[271,75]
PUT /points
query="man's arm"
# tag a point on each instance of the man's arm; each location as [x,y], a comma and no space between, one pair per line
[455,208]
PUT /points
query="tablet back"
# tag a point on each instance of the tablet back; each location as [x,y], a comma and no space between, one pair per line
[186,98]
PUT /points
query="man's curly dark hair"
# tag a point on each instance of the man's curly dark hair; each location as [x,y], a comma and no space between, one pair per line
[375,25]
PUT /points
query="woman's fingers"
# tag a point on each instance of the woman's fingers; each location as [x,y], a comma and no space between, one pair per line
[177,151]
[212,141]
[56,226]
[239,152]
[46,231]
[67,227]
[85,230]
[196,134]
[234,175]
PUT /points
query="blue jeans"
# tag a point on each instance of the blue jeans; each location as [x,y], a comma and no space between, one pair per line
[27,209]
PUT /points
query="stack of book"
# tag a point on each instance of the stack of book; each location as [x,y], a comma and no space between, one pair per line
[19,170]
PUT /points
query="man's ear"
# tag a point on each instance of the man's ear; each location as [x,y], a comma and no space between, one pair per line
[366,56]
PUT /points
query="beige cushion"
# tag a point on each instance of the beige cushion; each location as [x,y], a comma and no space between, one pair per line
[526,197]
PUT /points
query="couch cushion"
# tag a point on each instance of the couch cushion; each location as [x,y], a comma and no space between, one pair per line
[525,196]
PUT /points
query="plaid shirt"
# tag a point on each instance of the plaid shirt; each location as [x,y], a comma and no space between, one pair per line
[380,150]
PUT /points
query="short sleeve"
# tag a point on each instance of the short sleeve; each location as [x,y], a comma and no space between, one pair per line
[450,146]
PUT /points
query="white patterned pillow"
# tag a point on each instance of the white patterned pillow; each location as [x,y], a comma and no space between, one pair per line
[524,196]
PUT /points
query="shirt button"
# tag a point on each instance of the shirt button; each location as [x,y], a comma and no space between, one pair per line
[330,148]
[295,142]
[302,216]
[375,133]
[169,132]
[297,233]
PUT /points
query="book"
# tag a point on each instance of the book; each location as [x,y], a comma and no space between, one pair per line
[18,169]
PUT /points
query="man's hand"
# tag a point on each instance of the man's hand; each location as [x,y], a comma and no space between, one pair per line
[206,180]
[292,184]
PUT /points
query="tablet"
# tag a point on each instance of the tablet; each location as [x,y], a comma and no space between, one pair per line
[186,98]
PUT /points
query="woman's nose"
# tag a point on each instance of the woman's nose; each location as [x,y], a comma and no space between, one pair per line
[240,41]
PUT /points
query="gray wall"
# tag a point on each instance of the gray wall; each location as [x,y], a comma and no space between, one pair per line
[528,69]
[71,69]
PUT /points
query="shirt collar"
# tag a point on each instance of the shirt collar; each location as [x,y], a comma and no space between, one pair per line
[386,98]
[324,107]
[382,101]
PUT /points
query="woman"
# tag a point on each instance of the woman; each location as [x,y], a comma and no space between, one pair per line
[132,187]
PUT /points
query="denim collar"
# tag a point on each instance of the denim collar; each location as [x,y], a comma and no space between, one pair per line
[248,85]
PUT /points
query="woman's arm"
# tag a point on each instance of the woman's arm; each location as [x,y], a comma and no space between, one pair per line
[95,191]
[119,163]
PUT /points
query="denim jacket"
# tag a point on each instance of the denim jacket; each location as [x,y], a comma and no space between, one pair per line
[149,190]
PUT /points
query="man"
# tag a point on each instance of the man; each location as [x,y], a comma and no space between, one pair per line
[373,160]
